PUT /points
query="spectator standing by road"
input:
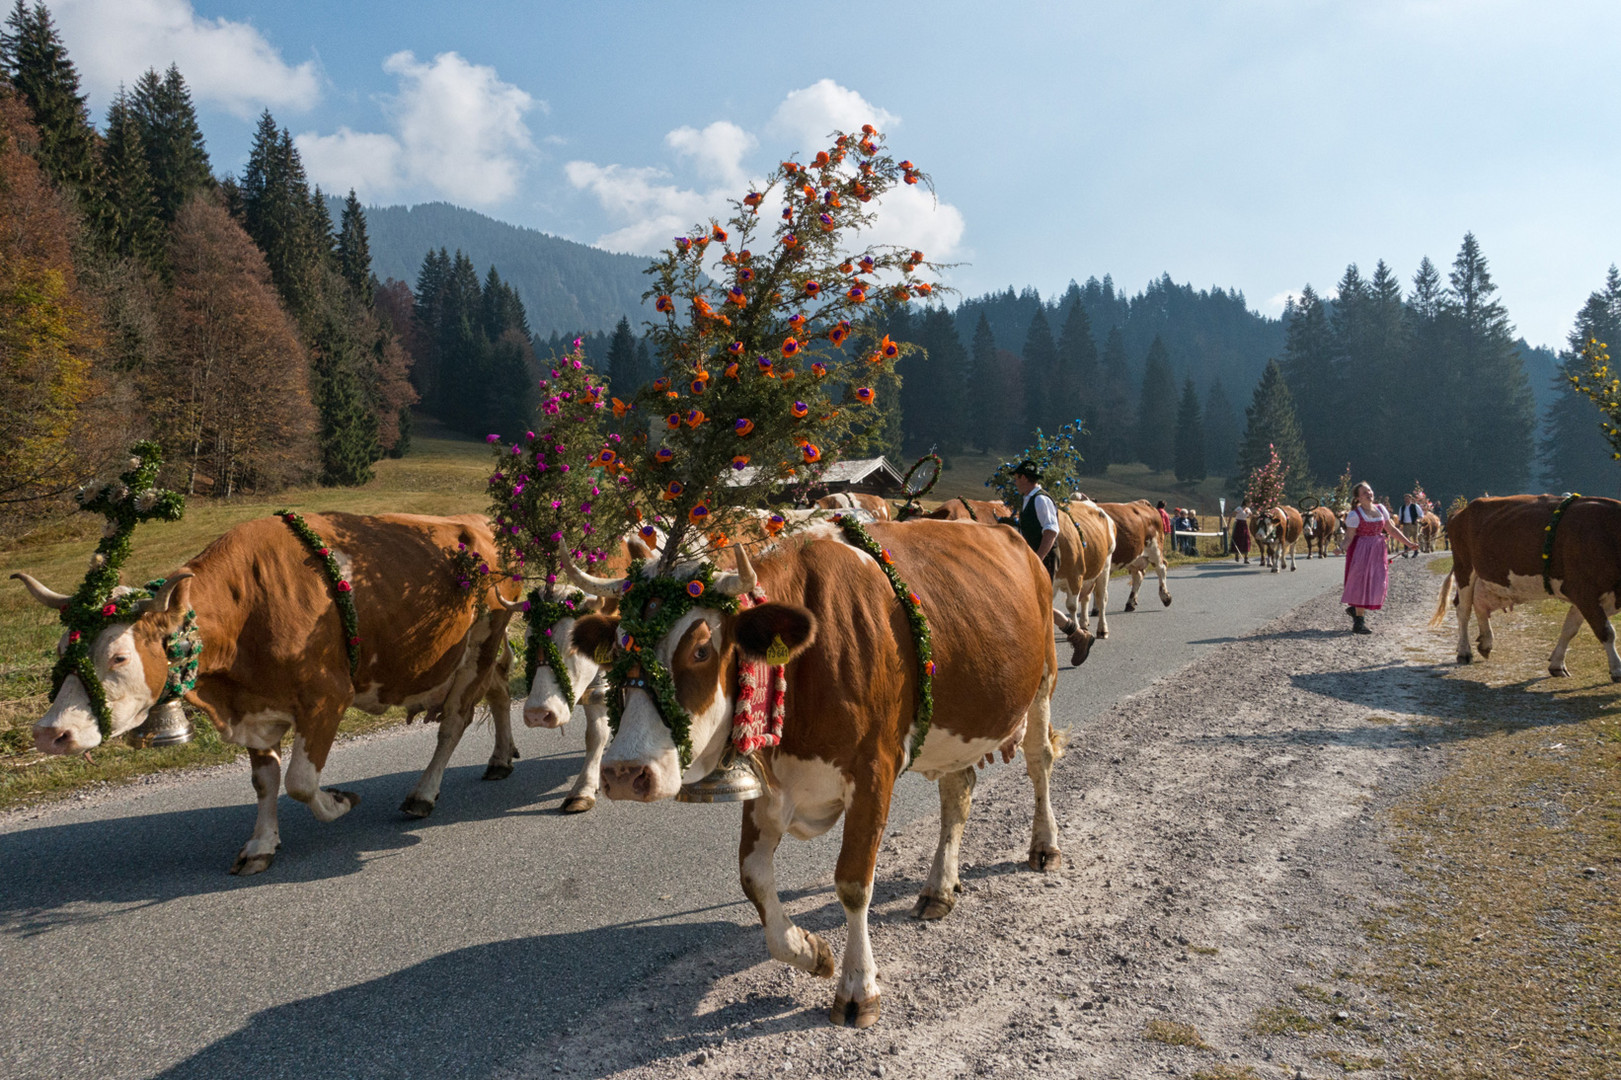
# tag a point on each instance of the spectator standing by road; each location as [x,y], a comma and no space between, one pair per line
[1241,532]
[1411,515]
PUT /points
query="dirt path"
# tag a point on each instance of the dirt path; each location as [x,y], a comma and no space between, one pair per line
[1223,845]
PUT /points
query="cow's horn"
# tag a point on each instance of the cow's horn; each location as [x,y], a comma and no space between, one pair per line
[39,592]
[741,582]
[596,586]
[165,595]
[510,605]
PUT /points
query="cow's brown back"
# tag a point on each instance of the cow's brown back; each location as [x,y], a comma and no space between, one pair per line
[1136,523]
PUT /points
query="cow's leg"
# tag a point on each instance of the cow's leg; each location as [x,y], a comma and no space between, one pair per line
[584,795]
[939,894]
[1466,608]
[1041,748]
[856,1001]
[304,780]
[420,802]
[763,827]
[499,699]
[1100,602]
[1291,558]
[257,854]
[1598,613]
[1137,575]
[1556,662]
[1161,569]
[1071,590]
[1485,641]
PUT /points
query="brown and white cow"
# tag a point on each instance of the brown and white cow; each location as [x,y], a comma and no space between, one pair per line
[1497,545]
[1139,543]
[851,699]
[876,505]
[274,655]
[1429,531]
[1278,532]
[1095,541]
[1318,529]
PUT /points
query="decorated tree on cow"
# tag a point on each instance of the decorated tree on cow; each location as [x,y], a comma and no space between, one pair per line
[1591,374]
[1421,498]
[1267,482]
[1055,457]
[1342,492]
[769,351]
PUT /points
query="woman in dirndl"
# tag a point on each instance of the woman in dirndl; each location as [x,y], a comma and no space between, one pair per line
[1367,561]
[1241,532]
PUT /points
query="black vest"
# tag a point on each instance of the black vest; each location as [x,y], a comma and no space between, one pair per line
[1029,525]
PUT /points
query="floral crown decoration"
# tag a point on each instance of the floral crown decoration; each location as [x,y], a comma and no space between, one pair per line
[770,361]
[98,602]
[1055,457]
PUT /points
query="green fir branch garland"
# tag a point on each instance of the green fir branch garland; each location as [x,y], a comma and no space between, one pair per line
[543,614]
[133,498]
[1547,540]
[342,589]
[859,537]
[642,625]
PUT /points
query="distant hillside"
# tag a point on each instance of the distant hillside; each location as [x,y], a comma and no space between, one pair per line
[566,287]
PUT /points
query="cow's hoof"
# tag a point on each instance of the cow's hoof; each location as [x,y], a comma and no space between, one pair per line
[856,1014]
[578,804]
[1131,605]
[492,771]
[248,865]
[823,959]
[1559,672]
[350,797]
[415,807]
[1614,677]
[1485,654]
[1166,600]
[1045,859]
[1095,613]
[930,907]
[1291,568]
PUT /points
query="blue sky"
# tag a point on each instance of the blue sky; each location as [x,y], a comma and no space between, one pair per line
[1258,145]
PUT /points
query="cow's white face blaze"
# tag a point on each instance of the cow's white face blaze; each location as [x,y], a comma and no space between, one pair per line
[700,652]
[125,661]
[545,706]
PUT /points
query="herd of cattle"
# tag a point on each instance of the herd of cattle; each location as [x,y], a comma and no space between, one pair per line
[275,661]
[1279,528]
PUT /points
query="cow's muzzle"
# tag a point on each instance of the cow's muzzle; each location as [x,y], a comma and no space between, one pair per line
[629,782]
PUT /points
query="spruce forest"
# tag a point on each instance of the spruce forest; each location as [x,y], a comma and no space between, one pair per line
[238,320]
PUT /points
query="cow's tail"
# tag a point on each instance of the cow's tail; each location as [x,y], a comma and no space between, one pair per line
[1441,602]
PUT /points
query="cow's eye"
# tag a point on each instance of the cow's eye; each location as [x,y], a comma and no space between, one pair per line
[700,654]
[118,661]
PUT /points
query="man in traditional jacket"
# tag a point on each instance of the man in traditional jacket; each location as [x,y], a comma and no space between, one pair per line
[1038,516]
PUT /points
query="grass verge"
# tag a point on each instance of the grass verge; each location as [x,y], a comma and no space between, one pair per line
[1507,958]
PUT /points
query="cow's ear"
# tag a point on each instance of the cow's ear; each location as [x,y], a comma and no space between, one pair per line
[594,635]
[775,633]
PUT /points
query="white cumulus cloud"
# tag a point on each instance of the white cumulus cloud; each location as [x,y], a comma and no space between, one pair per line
[458,132]
[649,205]
[230,64]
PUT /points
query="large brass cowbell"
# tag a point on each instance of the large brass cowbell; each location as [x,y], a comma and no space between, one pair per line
[734,779]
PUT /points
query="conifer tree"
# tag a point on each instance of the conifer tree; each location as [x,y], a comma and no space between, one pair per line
[1074,391]
[625,373]
[176,156]
[280,215]
[1156,410]
[1040,373]
[1497,448]
[36,62]
[354,250]
[1382,358]
[932,401]
[1220,431]
[127,209]
[1271,424]
[984,384]
[1576,455]
[1312,364]
[1190,436]
[1111,434]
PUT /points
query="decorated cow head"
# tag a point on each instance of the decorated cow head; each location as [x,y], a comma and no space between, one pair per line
[559,672]
[114,663]
[677,643]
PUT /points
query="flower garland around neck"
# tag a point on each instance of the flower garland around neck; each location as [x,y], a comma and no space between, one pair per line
[543,614]
[342,589]
[1548,532]
[125,503]
[859,537]
[648,611]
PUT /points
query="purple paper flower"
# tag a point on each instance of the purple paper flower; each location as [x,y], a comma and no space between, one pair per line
[492,438]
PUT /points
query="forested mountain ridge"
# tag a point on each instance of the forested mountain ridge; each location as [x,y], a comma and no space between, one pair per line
[566,287]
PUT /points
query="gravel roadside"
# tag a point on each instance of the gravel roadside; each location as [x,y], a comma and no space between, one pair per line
[1223,844]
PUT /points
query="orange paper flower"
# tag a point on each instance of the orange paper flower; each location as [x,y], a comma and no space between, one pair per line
[821,158]
[735,348]
[753,198]
[620,408]
[743,426]
[800,410]
[812,454]
[774,524]
[923,288]
[664,303]
[672,421]
[700,385]
[735,295]
[864,395]
[889,348]
[740,461]
[718,235]
[663,455]
[818,369]
[731,370]
[745,275]
[695,417]
[672,490]
[790,347]
[796,320]
[698,515]
[661,384]
[812,288]
[857,293]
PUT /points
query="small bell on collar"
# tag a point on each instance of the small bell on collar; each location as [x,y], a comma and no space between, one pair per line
[734,779]
[166,725]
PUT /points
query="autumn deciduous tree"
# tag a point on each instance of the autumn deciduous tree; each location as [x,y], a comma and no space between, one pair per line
[235,402]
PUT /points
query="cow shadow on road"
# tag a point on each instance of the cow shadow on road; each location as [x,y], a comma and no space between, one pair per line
[1309,633]
[86,871]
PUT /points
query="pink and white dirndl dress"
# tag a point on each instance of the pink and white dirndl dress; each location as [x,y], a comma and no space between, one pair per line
[1367,562]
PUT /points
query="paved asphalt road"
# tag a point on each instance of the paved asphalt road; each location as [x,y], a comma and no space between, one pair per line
[384,946]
